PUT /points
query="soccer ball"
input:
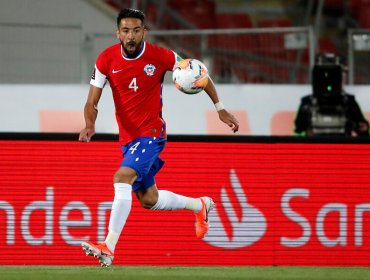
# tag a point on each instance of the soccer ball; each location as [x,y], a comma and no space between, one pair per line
[190,76]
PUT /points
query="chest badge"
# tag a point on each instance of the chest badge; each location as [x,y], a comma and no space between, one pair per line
[149,69]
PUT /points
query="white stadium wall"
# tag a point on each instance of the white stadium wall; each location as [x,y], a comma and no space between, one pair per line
[261,109]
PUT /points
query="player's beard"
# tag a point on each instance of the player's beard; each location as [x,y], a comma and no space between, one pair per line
[132,48]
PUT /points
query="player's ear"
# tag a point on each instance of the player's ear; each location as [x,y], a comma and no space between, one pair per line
[144,32]
[117,34]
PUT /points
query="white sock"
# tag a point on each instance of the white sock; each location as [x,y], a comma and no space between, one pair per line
[111,240]
[171,201]
[121,208]
[194,204]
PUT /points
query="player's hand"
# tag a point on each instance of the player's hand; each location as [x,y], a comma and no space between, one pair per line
[86,134]
[229,119]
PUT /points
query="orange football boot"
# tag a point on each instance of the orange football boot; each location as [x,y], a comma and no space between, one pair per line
[201,217]
[99,251]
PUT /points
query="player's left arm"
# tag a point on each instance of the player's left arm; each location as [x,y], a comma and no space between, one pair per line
[223,114]
[210,89]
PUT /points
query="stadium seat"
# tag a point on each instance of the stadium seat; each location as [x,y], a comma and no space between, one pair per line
[216,127]
[242,69]
[202,12]
[238,47]
[233,41]
[334,5]
[151,12]
[280,22]
[273,51]
[326,45]
[355,7]
[364,16]
[267,40]
[233,20]
[113,4]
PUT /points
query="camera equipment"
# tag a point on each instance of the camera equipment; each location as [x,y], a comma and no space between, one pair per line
[328,115]
[327,83]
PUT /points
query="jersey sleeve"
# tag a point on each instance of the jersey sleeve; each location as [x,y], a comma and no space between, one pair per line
[169,58]
[177,59]
[99,76]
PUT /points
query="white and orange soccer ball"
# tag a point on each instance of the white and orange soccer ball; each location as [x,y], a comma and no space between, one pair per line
[190,76]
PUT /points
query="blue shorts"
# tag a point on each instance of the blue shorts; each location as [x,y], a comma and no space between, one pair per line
[142,155]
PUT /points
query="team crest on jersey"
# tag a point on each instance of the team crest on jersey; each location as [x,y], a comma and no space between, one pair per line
[149,69]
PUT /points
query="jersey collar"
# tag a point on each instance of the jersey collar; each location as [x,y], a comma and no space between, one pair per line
[140,53]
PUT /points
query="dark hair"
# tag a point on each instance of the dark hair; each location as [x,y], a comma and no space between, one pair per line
[130,13]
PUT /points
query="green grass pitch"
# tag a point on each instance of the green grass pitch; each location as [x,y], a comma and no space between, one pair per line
[182,273]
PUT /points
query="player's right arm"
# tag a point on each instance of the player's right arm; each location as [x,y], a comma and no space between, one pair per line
[90,113]
[97,83]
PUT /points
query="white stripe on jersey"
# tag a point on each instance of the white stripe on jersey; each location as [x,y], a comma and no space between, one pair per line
[177,59]
[98,79]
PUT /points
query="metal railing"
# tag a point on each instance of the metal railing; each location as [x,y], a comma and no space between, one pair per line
[250,55]
[359,56]
[63,54]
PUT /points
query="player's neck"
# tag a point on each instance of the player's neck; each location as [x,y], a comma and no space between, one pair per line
[135,54]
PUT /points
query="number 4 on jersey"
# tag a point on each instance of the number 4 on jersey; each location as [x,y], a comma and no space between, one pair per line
[133,85]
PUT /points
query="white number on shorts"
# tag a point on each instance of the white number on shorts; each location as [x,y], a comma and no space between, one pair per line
[133,85]
[134,147]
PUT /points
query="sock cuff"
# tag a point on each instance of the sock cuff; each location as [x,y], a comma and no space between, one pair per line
[168,200]
[159,204]
[123,191]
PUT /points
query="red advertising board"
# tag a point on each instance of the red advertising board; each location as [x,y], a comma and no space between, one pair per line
[277,204]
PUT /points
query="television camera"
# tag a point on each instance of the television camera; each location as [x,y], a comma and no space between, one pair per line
[328,112]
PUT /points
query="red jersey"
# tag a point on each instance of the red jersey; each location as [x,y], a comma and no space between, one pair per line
[137,88]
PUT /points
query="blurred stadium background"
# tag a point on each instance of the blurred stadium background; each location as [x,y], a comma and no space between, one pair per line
[243,41]
[259,49]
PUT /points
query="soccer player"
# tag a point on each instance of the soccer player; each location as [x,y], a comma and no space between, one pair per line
[135,70]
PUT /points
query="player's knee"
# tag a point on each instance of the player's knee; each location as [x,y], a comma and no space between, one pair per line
[125,175]
[148,202]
